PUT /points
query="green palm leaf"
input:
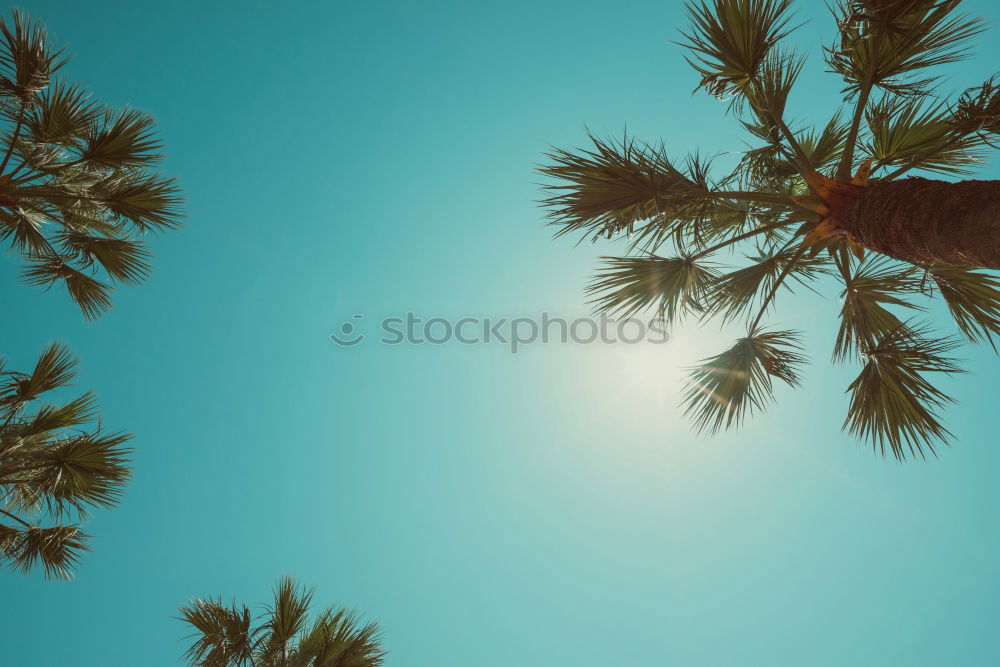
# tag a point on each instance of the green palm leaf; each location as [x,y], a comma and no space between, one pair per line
[918,135]
[617,185]
[227,635]
[797,188]
[672,285]
[888,43]
[733,294]
[725,389]
[730,41]
[78,185]
[973,297]
[223,634]
[62,115]
[286,618]
[51,469]
[864,318]
[977,111]
[26,60]
[58,549]
[892,403]
[119,139]
[91,295]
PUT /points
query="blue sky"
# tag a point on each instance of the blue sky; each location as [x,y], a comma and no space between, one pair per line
[548,508]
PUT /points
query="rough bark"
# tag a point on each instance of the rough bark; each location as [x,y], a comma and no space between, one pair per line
[920,220]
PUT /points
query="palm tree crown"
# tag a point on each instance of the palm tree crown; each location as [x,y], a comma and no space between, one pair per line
[799,206]
[78,188]
[229,635]
[51,467]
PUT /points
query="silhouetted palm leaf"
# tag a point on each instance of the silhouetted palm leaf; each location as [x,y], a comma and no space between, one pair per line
[223,634]
[730,41]
[864,317]
[725,389]
[915,134]
[892,403]
[672,285]
[973,297]
[77,179]
[51,470]
[888,43]
[226,635]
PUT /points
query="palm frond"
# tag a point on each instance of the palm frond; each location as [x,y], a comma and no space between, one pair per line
[337,638]
[26,59]
[673,286]
[62,115]
[824,148]
[725,389]
[51,470]
[10,538]
[72,474]
[730,41]
[91,295]
[58,549]
[864,318]
[119,139]
[768,98]
[732,294]
[48,418]
[223,635]
[892,403]
[888,43]
[56,367]
[226,635]
[78,183]
[150,202]
[125,260]
[919,135]
[973,297]
[286,618]
[977,110]
[24,229]
[618,184]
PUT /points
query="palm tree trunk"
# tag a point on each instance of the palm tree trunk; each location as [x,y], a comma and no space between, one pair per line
[918,220]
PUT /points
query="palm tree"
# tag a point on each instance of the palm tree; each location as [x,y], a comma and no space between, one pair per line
[803,203]
[78,191]
[227,635]
[51,467]
[78,188]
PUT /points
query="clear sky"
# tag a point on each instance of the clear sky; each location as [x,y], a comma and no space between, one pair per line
[548,508]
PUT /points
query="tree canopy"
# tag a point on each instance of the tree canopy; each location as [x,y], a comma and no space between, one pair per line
[229,635]
[79,189]
[687,222]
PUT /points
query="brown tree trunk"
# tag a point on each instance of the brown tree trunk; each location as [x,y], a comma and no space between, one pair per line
[919,220]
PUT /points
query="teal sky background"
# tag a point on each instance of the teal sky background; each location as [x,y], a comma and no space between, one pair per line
[548,508]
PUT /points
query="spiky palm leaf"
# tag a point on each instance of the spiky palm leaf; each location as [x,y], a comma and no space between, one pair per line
[674,285]
[734,294]
[725,389]
[892,402]
[868,290]
[51,469]
[889,43]
[973,297]
[228,636]
[913,133]
[730,41]
[78,179]
[781,195]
